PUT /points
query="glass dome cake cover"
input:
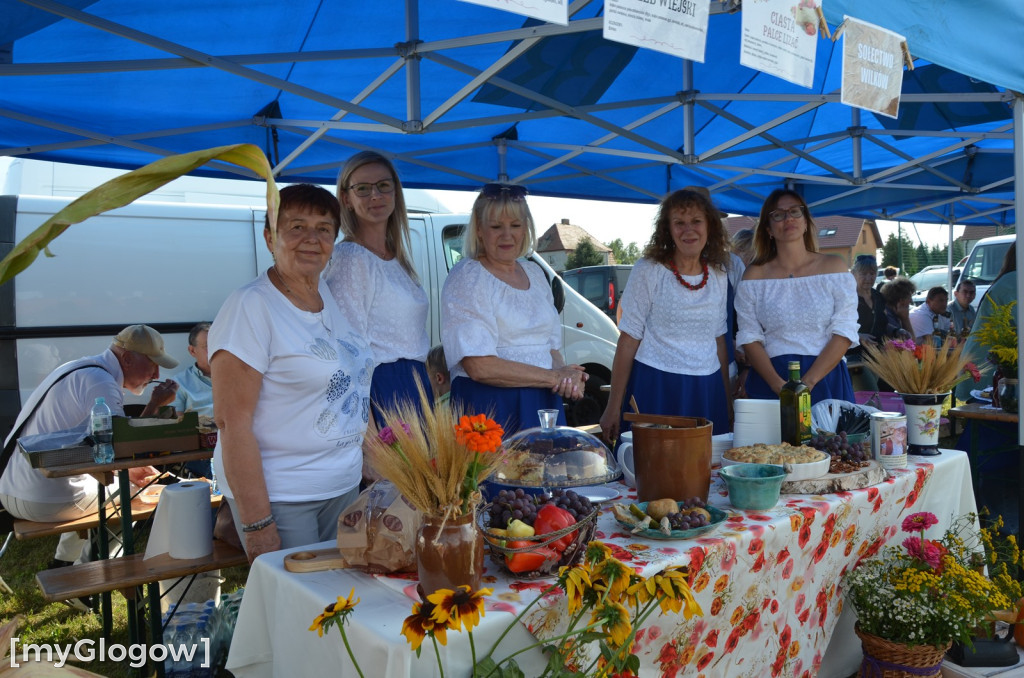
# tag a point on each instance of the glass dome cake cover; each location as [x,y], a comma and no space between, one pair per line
[550,456]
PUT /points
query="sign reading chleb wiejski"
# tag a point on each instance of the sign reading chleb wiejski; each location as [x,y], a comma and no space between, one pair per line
[676,27]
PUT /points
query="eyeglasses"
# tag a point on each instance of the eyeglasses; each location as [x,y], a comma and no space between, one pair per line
[384,186]
[780,215]
[512,192]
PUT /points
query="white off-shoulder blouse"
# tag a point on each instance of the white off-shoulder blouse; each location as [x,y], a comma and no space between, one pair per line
[797,315]
[482,315]
[381,301]
[677,327]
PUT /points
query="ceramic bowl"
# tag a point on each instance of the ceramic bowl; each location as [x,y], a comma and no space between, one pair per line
[753,486]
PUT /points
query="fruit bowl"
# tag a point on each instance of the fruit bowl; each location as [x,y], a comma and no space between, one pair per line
[718,517]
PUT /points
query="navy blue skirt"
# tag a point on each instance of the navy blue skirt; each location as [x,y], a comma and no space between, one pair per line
[679,395]
[836,383]
[397,381]
[513,408]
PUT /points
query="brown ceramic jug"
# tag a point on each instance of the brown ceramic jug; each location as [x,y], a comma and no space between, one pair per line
[671,456]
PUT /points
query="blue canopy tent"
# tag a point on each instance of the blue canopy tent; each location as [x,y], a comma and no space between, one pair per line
[460,94]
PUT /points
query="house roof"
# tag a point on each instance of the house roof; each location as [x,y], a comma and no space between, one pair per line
[973,233]
[846,229]
[566,237]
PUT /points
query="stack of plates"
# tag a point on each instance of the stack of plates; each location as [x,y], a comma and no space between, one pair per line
[720,444]
[756,421]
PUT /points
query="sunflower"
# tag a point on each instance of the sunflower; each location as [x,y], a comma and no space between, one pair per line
[458,607]
[676,593]
[334,613]
[598,551]
[615,575]
[479,433]
[575,581]
[420,623]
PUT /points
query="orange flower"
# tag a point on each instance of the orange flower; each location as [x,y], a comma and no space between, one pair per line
[479,434]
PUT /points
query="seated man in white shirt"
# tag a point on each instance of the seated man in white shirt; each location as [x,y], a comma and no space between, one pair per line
[930,320]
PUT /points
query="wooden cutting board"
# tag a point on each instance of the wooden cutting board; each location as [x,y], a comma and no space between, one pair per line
[314,561]
[872,474]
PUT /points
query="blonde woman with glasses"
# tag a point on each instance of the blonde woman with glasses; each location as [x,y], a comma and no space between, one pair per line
[372,278]
[795,303]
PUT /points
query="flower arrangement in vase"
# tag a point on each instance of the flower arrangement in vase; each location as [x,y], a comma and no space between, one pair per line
[923,375]
[998,334]
[927,593]
[436,455]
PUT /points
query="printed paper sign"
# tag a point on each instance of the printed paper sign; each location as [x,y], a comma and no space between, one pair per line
[872,67]
[677,27]
[780,38]
[552,11]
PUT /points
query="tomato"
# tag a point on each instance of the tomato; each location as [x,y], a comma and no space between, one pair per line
[531,560]
[550,518]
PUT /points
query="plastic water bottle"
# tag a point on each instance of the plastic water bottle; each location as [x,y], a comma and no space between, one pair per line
[102,433]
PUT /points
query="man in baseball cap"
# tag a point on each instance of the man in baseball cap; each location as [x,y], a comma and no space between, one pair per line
[64,401]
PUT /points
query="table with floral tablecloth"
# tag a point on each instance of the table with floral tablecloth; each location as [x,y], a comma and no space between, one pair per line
[767,582]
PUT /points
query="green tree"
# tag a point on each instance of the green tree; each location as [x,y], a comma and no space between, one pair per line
[624,254]
[900,252]
[585,254]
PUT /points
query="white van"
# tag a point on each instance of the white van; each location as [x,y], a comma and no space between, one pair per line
[985,261]
[171,265]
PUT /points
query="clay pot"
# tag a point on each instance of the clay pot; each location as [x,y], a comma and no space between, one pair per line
[449,554]
[671,456]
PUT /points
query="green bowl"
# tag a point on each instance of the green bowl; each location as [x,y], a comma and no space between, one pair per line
[753,487]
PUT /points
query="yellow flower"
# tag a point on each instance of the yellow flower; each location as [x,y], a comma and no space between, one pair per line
[462,606]
[615,575]
[575,581]
[420,623]
[334,613]
[614,620]
[676,593]
[597,551]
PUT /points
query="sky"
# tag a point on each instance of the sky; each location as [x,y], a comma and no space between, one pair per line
[605,220]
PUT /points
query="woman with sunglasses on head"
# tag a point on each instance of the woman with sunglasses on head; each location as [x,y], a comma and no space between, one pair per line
[795,303]
[672,350]
[499,326]
[372,278]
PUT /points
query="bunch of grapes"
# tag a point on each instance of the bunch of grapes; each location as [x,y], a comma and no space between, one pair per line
[577,506]
[837,445]
[688,521]
[515,505]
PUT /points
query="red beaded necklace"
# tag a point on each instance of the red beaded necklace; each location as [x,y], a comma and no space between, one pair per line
[703,280]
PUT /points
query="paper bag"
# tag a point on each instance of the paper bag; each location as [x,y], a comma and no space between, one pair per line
[377,533]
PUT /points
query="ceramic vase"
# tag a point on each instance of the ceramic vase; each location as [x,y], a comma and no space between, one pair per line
[924,413]
[1009,395]
[449,553]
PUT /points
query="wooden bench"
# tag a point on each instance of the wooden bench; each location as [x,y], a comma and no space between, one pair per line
[128,572]
[141,510]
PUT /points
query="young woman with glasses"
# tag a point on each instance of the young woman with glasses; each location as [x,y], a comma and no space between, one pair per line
[795,303]
[499,327]
[372,278]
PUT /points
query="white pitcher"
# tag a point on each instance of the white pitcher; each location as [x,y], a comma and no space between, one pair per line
[624,457]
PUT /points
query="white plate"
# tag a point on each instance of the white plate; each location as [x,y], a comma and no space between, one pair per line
[982,395]
[597,493]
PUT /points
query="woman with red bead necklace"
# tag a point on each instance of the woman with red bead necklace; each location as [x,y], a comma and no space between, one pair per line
[795,303]
[671,353]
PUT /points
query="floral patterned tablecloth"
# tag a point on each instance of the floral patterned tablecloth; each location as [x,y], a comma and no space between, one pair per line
[767,581]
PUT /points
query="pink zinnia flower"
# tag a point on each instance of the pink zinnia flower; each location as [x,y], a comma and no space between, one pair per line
[919,522]
[387,436]
[907,345]
[975,372]
[923,550]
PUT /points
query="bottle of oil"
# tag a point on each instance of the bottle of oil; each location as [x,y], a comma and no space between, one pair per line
[795,408]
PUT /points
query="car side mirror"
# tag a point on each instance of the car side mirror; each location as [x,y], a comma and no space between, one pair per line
[558,292]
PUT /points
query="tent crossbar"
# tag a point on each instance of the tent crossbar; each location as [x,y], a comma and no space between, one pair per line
[778,142]
[206,59]
[587,172]
[912,161]
[928,156]
[936,134]
[829,140]
[757,131]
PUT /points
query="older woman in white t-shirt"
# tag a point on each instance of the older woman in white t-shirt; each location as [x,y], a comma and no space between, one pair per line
[795,303]
[291,387]
[499,327]
[671,354]
[372,278]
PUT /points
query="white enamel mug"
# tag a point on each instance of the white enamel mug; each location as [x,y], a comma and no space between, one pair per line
[624,457]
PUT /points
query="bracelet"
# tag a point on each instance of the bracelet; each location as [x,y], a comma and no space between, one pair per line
[259,524]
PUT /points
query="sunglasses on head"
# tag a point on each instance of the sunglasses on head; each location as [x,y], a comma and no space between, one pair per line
[512,192]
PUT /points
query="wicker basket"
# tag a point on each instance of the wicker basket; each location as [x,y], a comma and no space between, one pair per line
[583,531]
[886,659]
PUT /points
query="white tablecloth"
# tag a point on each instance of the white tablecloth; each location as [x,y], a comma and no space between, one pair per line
[271,636]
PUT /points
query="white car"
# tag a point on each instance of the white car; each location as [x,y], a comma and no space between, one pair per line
[929,277]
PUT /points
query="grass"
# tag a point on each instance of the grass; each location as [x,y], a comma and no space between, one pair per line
[58,624]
